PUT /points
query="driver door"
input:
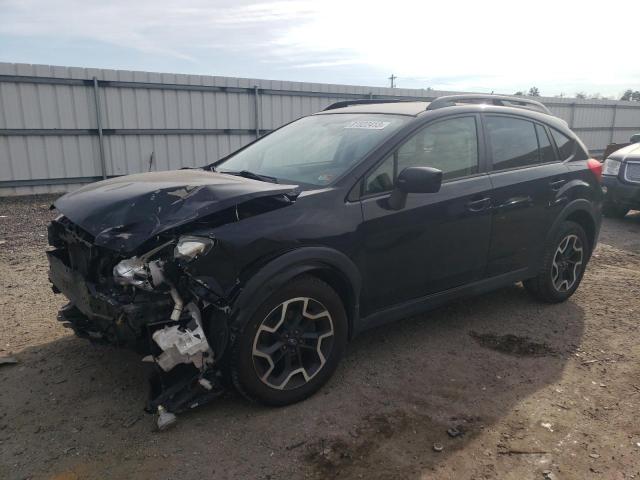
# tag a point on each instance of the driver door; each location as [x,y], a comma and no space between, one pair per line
[438,241]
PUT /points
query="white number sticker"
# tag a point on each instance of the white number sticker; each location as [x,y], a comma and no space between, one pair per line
[368,124]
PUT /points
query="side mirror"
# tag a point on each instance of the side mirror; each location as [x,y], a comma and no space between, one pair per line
[414,180]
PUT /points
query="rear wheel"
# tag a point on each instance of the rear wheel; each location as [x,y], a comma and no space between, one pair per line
[613,210]
[563,266]
[292,344]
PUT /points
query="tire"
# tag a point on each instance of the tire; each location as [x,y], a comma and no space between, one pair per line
[281,338]
[560,275]
[613,210]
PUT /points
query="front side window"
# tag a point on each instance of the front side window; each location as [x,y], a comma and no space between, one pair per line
[449,145]
[513,142]
[314,150]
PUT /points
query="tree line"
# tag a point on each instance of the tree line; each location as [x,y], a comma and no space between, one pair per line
[629,94]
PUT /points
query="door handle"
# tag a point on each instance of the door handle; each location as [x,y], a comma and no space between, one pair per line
[557,184]
[479,205]
[516,202]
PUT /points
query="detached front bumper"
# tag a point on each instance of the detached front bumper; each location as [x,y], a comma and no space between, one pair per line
[101,317]
[145,302]
[621,193]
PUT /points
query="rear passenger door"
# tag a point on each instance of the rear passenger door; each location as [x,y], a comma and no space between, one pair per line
[526,176]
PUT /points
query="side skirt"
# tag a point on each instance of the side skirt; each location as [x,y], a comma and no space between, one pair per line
[429,302]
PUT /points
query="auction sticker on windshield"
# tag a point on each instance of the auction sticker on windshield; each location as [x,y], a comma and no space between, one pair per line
[368,124]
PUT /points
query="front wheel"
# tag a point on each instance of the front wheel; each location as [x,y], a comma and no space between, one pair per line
[563,266]
[292,344]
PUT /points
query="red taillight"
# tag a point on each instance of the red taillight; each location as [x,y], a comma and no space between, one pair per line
[596,167]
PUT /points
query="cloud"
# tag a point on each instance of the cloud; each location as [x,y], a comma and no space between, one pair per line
[159,26]
[498,44]
[498,41]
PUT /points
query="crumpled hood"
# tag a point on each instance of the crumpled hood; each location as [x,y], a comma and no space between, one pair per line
[124,212]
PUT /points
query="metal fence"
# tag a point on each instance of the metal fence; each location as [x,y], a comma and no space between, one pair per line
[63,126]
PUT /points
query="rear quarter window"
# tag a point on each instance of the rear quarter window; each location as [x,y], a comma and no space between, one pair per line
[566,146]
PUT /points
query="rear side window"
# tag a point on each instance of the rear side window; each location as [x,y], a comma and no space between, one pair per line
[546,149]
[565,144]
[514,142]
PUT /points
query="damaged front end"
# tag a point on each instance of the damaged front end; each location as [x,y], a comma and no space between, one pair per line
[143,287]
[143,302]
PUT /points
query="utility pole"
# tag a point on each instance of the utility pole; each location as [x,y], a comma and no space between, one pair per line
[393,78]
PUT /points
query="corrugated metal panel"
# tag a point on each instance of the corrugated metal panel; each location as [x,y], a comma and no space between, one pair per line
[596,140]
[622,136]
[562,111]
[186,102]
[592,116]
[628,117]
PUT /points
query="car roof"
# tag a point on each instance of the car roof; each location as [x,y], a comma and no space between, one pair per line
[448,105]
[415,109]
[390,108]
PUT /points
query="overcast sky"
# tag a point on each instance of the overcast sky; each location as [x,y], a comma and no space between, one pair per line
[559,46]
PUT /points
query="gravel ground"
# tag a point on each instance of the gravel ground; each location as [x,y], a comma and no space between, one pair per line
[533,391]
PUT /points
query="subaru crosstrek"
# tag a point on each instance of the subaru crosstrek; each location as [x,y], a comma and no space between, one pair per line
[256,270]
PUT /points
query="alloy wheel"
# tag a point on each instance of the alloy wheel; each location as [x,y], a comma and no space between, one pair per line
[567,263]
[292,343]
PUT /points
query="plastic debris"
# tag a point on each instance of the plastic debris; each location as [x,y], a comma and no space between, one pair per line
[454,432]
[8,360]
[131,422]
[165,419]
[547,425]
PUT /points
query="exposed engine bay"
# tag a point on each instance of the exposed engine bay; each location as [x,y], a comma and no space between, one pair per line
[154,294]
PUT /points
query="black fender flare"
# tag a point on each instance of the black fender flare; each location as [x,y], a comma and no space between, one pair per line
[577,205]
[277,272]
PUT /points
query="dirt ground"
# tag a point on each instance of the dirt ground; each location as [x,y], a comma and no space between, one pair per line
[532,391]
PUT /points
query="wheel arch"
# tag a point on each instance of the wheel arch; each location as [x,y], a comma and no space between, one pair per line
[586,221]
[583,213]
[327,264]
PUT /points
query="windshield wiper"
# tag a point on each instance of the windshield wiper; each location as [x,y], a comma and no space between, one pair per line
[252,176]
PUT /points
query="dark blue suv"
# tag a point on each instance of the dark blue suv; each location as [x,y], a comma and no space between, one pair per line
[256,270]
[621,178]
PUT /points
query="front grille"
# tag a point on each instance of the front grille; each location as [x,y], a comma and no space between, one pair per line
[632,172]
[77,251]
[80,258]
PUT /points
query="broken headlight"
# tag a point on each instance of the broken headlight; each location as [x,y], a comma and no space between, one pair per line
[190,247]
[139,271]
[132,271]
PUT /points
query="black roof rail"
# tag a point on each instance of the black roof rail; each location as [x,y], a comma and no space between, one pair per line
[500,100]
[347,103]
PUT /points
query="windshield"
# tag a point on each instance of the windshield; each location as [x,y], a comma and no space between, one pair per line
[314,150]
